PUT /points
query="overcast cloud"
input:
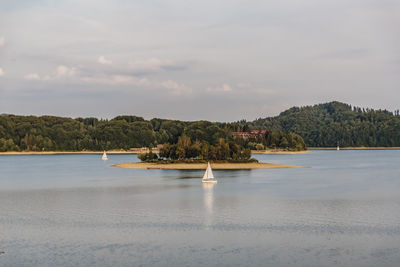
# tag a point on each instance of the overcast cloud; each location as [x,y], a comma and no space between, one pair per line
[216,60]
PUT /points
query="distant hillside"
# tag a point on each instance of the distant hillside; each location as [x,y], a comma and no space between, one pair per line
[322,125]
[325,125]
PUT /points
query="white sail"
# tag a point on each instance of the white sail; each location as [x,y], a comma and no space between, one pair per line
[208,175]
[104,157]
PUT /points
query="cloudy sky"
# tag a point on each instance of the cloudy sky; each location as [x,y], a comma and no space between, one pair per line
[219,60]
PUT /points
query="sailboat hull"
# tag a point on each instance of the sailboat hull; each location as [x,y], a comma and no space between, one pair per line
[213,181]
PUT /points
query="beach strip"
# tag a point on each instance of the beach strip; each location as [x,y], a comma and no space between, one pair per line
[156,151]
[65,152]
[356,148]
[279,152]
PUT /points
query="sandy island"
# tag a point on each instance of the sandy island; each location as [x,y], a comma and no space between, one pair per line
[203,166]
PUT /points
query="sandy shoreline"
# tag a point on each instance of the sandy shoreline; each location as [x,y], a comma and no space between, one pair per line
[279,152]
[203,166]
[130,152]
[254,152]
[64,152]
[355,148]
[127,152]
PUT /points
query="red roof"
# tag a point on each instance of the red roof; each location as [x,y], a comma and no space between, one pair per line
[253,133]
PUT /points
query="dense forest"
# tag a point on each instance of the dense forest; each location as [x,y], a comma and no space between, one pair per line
[222,150]
[326,125]
[49,133]
[323,125]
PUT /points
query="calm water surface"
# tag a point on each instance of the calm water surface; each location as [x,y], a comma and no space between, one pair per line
[76,210]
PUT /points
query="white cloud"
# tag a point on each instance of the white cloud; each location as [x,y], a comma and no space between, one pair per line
[32,76]
[61,73]
[1,72]
[150,65]
[104,61]
[171,86]
[2,41]
[64,72]
[126,79]
[176,88]
[223,88]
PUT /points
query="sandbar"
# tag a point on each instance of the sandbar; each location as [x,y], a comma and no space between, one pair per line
[357,148]
[279,152]
[203,166]
[64,152]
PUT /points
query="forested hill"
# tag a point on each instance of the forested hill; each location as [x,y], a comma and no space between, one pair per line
[49,133]
[325,125]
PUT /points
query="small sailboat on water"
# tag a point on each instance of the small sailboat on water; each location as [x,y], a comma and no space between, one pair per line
[104,157]
[208,175]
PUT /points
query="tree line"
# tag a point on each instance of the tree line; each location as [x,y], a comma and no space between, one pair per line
[320,125]
[222,150]
[50,133]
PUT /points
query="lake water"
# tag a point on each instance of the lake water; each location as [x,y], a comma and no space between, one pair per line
[76,210]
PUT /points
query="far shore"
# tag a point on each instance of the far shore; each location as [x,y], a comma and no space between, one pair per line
[203,166]
[280,152]
[156,151]
[136,151]
[355,148]
[65,152]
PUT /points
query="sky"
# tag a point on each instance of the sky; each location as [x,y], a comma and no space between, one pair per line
[222,60]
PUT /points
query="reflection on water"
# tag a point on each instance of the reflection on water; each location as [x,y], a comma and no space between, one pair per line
[208,200]
[197,174]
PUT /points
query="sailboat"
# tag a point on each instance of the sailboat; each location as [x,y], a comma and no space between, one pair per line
[208,175]
[104,157]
